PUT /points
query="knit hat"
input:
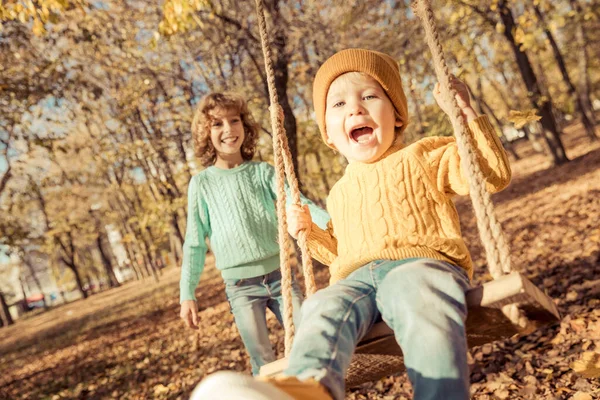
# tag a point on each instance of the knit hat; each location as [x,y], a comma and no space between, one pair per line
[379,66]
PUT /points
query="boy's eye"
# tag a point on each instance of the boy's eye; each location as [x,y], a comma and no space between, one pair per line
[370,96]
[339,104]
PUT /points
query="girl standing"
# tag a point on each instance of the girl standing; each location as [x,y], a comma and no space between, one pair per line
[232,202]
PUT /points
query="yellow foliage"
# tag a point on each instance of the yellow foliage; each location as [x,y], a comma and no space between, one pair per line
[521,118]
[40,12]
[180,15]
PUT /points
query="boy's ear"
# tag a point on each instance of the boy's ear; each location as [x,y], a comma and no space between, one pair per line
[330,142]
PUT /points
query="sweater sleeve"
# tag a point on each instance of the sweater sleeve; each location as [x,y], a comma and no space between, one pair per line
[441,154]
[319,216]
[323,243]
[194,247]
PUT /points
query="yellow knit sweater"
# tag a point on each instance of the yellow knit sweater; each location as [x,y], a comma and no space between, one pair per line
[400,206]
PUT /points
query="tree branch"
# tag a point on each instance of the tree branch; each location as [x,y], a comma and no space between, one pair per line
[5,178]
[484,14]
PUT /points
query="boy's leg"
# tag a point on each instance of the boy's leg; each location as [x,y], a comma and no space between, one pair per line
[248,300]
[332,322]
[424,303]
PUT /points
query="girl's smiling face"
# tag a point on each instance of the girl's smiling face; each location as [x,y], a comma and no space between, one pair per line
[226,131]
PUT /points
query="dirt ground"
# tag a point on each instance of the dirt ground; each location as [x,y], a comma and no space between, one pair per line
[128,342]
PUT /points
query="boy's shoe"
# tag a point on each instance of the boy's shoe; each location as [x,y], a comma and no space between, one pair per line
[297,389]
[228,385]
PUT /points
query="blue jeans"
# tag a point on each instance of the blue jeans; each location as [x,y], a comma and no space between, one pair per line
[249,299]
[422,300]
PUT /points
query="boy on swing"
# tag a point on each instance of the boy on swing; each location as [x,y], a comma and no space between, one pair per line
[393,244]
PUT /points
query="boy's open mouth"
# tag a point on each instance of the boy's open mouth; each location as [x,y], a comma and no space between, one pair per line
[362,134]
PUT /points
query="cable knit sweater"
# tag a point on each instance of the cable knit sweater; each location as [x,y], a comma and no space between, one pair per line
[400,206]
[235,209]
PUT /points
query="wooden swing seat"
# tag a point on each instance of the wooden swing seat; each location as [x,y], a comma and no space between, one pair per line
[378,354]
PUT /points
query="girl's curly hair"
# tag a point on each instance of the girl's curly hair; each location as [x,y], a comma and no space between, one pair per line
[203,146]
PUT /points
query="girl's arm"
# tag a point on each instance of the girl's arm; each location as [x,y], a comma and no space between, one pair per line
[194,247]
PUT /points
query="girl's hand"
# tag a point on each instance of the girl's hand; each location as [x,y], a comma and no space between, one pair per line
[189,313]
[298,219]
[462,98]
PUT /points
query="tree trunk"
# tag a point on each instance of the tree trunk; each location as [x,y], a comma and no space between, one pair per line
[148,256]
[584,61]
[5,178]
[134,250]
[35,279]
[544,107]
[280,65]
[585,114]
[23,292]
[133,264]
[414,98]
[78,281]
[536,140]
[108,268]
[176,239]
[151,253]
[5,317]
[176,249]
[69,258]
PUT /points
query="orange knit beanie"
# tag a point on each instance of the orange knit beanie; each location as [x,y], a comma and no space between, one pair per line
[379,66]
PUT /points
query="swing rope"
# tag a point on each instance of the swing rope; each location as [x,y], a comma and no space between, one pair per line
[490,230]
[283,167]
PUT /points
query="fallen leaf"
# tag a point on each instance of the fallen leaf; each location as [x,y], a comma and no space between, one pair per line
[160,389]
[581,396]
[588,366]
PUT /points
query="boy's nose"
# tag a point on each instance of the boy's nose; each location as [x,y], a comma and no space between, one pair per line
[357,108]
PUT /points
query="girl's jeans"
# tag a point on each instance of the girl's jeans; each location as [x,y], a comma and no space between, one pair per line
[422,300]
[249,300]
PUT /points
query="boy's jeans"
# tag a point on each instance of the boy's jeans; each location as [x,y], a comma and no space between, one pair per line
[249,300]
[422,300]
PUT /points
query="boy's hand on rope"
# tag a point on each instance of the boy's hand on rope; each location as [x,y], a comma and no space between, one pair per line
[298,219]
[189,313]
[462,98]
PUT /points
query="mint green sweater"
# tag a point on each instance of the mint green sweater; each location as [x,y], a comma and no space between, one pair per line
[235,209]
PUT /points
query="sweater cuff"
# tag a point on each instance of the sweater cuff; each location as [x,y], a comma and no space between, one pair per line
[317,234]
[482,124]
[320,243]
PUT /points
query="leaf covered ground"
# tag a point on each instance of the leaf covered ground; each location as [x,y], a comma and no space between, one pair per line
[128,342]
